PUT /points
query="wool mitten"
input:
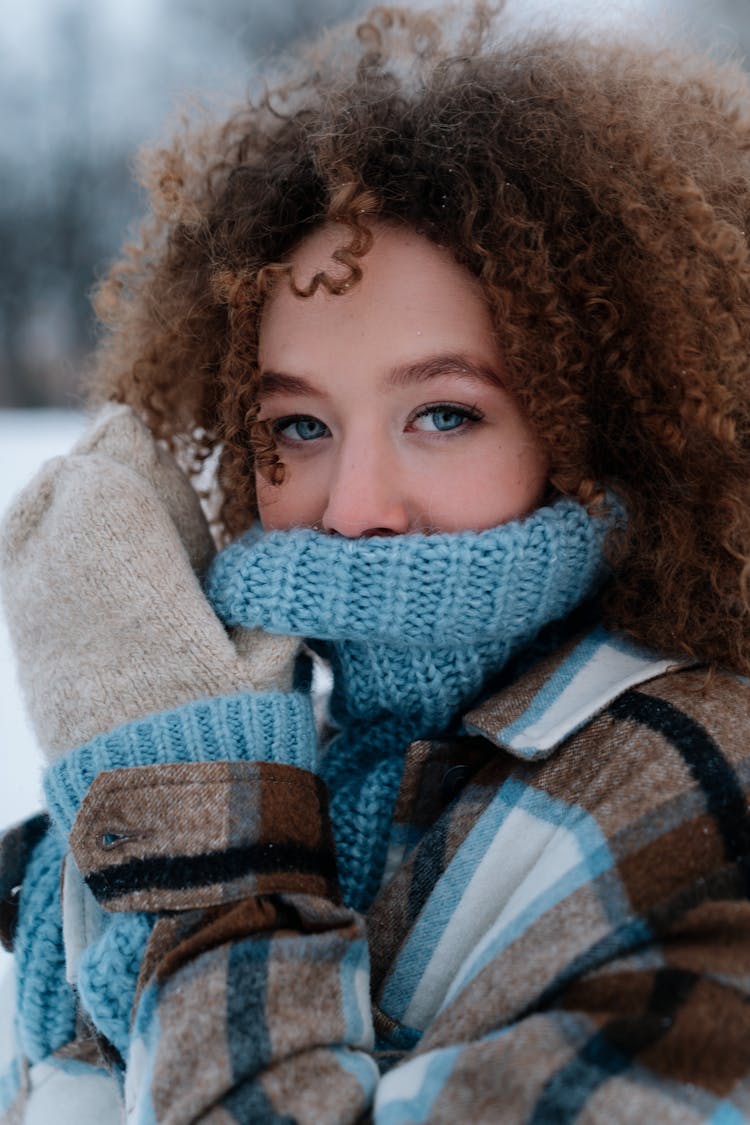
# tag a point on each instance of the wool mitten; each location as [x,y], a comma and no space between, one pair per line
[100,564]
[100,558]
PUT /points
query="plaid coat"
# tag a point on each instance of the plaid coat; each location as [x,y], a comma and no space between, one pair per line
[563,932]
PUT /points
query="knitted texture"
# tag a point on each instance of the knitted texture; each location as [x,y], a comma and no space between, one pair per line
[257,727]
[415,626]
[45,1002]
[417,621]
[261,726]
[108,975]
[362,768]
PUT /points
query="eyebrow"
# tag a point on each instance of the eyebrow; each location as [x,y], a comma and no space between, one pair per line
[403,375]
[444,363]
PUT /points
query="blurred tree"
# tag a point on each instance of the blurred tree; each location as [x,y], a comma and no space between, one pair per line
[723,26]
[83,84]
[82,90]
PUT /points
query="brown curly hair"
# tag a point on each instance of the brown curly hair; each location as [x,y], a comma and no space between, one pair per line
[601,196]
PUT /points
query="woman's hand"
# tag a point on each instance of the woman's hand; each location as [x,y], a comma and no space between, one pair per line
[100,557]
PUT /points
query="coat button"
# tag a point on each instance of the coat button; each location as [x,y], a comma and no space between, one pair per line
[453,782]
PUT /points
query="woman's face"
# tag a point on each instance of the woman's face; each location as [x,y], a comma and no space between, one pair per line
[387,401]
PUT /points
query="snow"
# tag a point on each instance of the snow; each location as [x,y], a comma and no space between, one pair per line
[27,438]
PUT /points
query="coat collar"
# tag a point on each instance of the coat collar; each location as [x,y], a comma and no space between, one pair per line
[532,716]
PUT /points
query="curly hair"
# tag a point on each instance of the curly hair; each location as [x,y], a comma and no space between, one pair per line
[601,196]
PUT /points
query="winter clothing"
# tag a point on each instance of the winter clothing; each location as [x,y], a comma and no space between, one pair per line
[538,913]
[417,623]
[565,936]
[362,766]
[414,628]
[106,614]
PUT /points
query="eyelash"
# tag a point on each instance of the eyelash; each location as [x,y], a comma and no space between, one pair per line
[470,415]
[288,420]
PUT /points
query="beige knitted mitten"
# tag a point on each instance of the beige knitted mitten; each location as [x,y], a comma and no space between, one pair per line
[98,563]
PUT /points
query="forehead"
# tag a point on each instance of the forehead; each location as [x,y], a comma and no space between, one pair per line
[392,243]
[412,293]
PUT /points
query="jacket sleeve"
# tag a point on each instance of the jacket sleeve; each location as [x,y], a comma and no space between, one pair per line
[260,1014]
[215,867]
[620,994]
[253,993]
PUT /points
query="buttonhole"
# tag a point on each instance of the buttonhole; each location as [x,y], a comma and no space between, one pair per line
[114,839]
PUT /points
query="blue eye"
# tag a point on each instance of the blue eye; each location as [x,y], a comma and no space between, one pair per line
[300,427]
[443,418]
[447,419]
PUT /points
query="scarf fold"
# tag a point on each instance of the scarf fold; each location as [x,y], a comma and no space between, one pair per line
[415,627]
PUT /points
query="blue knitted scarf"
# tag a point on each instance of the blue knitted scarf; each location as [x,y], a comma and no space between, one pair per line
[415,627]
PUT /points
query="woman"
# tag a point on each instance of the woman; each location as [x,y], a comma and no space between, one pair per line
[465,326]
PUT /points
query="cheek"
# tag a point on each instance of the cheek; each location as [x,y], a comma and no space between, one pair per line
[487,488]
[533,467]
[524,478]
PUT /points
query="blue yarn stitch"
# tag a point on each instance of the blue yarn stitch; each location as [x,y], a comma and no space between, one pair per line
[108,975]
[362,768]
[45,1002]
[270,726]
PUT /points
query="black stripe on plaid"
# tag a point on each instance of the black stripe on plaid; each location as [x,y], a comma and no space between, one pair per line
[610,1051]
[183,872]
[725,800]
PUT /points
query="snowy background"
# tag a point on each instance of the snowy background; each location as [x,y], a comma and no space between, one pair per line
[84,84]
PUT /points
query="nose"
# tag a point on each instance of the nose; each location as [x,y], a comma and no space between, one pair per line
[366,494]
